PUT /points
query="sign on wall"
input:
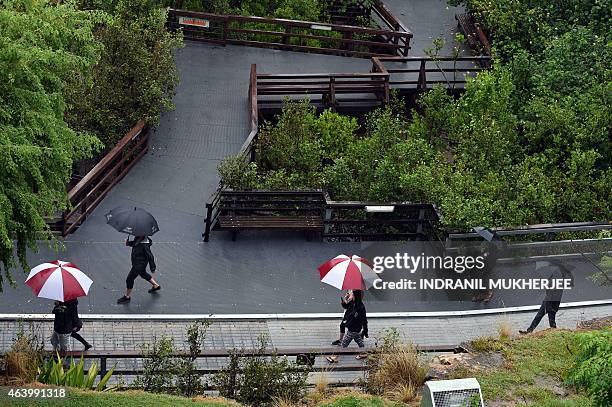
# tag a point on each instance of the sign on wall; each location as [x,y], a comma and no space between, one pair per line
[197,22]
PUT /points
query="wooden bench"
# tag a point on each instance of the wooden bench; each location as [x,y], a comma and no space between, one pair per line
[254,222]
[474,34]
[271,210]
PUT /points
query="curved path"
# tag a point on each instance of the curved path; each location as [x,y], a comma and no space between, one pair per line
[258,274]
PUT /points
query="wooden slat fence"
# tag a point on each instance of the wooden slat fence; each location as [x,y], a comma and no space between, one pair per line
[292,35]
[93,187]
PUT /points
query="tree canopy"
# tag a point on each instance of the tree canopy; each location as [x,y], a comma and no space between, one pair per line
[61,92]
[41,49]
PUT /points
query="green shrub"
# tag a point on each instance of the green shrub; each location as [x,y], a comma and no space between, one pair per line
[486,344]
[187,380]
[53,372]
[279,145]
[134,33]
[236,173]
[259,380]
[593,369]
[158,366]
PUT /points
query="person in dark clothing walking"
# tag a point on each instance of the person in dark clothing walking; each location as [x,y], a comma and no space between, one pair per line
[356,323]
[552,299]
[346,302]
[141,256]
[77,324]
[62,327]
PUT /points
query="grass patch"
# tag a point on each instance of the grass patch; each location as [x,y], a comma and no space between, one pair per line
[356,399]
[132,398]
[534,371]
[486,344]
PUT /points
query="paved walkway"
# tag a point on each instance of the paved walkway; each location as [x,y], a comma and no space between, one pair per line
[117,334]
[292,333]
[260,273]
[428,20]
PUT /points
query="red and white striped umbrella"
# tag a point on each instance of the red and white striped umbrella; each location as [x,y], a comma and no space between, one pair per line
[348,273]
[58,280]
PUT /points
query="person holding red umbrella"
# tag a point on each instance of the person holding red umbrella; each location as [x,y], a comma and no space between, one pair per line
[63,282]
[350,273]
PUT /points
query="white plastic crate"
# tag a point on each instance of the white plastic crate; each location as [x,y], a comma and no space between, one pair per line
[452,393]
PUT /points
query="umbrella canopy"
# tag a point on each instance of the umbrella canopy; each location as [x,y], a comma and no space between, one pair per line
[348,273]
[58,280]
[133,221]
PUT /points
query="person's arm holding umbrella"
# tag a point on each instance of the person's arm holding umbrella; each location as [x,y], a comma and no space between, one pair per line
[150,258]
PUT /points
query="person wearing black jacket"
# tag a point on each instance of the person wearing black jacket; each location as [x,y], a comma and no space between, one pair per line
[356,323]
[346,302]
[141,256]
[552,299]
[77,324]
[62,327]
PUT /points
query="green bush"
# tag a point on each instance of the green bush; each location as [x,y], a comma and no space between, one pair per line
[53,372]
[187,380]
[593,369]
[237,173]
[134,33]
[165,373]
[158,366]
[259,380]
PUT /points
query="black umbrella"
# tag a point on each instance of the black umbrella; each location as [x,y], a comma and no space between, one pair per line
[133,221]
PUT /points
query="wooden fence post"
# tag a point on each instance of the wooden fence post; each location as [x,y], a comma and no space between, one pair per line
[225,30]
[102,366]
[207,221]
[422,81]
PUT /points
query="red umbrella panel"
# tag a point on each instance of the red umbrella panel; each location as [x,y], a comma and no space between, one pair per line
[348,273]
[58,280]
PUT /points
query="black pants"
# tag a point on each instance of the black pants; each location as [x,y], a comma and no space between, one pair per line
[79,338]
[135,272]
[550,308]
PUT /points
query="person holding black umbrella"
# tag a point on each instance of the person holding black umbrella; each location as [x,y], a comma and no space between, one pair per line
[140,223]
[552,299]
[141,256]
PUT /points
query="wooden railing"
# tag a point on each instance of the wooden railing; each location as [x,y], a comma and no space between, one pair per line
[417,74]
[306,357]
[539,229]
[93,187]
[340,220]
[293,35]
[324,88]
[398,221]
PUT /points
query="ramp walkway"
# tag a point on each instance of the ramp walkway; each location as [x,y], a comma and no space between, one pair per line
[259,274]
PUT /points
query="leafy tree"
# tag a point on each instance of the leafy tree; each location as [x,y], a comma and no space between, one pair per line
[42,47]
[136,76]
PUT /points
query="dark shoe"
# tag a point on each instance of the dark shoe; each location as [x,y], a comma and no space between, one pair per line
[152,290]
[88,346]
[522,332]
[336,342]
[123,300]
